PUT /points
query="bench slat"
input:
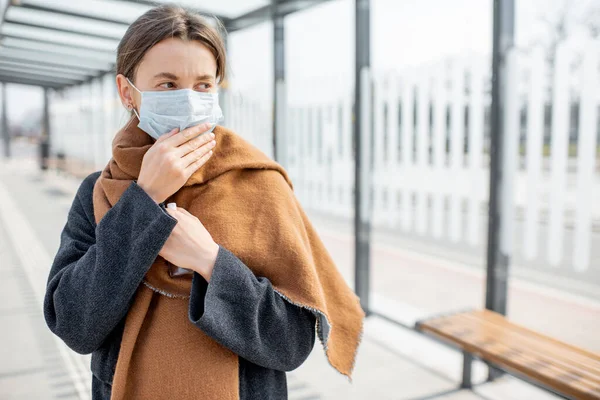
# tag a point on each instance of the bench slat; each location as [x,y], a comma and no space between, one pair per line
[588,355]
[520,341]
[539,348]
[568,352]
[509,348]
[557,365]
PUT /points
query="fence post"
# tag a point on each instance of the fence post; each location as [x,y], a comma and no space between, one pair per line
[586,156]
[362,154]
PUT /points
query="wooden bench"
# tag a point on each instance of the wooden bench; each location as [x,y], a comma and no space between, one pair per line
[566,370]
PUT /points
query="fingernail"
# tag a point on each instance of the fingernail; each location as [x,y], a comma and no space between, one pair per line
[212,135]
[213,143]
[172,206]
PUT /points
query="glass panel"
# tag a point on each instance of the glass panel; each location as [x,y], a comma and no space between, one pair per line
[59,37]
[105,57]
[67,22]
[430,165]
[249,105]
[125,12]
[554,284]
[319,101]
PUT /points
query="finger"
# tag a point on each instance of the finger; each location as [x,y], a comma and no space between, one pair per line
[198,153]
[194,144]
[172,212]
[190,169]
[164,137]
[183,210]
[187,134]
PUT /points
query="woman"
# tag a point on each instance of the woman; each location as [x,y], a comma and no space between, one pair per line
[217,294]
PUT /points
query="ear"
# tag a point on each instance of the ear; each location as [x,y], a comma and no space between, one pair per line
[126,92]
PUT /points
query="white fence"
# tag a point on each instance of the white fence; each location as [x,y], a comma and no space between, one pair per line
[431,157]
[430,149]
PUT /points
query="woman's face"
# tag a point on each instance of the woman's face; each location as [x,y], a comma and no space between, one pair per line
[170,65]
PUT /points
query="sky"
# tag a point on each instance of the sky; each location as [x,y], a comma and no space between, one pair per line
[320,44]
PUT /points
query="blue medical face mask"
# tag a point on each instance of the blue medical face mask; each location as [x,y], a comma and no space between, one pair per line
[163,111]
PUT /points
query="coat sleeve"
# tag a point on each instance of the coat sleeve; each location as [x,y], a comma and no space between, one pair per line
[98,268]
[245,314]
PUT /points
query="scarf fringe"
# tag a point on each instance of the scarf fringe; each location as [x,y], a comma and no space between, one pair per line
[324,336]
[164,293]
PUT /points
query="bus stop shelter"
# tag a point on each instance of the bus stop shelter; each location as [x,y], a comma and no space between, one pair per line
[57,44]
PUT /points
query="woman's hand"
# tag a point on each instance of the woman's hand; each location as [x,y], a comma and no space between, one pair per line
[173,158]
[190,245]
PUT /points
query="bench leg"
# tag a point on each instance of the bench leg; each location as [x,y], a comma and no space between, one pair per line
[494,373]
[467,366]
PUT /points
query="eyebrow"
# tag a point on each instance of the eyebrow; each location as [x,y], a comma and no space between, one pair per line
[174,77]
[167,75]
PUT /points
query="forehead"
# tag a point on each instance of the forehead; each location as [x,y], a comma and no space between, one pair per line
[180,57]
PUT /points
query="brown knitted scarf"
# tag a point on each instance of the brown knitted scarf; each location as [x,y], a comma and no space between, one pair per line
[246,202]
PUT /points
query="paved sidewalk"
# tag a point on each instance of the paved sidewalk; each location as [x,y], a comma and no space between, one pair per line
[31,365]
[393,363]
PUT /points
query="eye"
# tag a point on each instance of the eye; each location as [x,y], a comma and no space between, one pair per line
[203,87]
[167,85]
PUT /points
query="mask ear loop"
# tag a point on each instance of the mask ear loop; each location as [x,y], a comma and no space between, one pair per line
[130,107]
[135,112]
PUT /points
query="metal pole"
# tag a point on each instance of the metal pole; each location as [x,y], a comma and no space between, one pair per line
[497,260]
[362,154]
[45,140]
[279,85]
[498,256]
[224,86]
[5,133]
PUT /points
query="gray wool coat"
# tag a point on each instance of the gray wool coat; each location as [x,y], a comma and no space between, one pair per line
[98,268]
